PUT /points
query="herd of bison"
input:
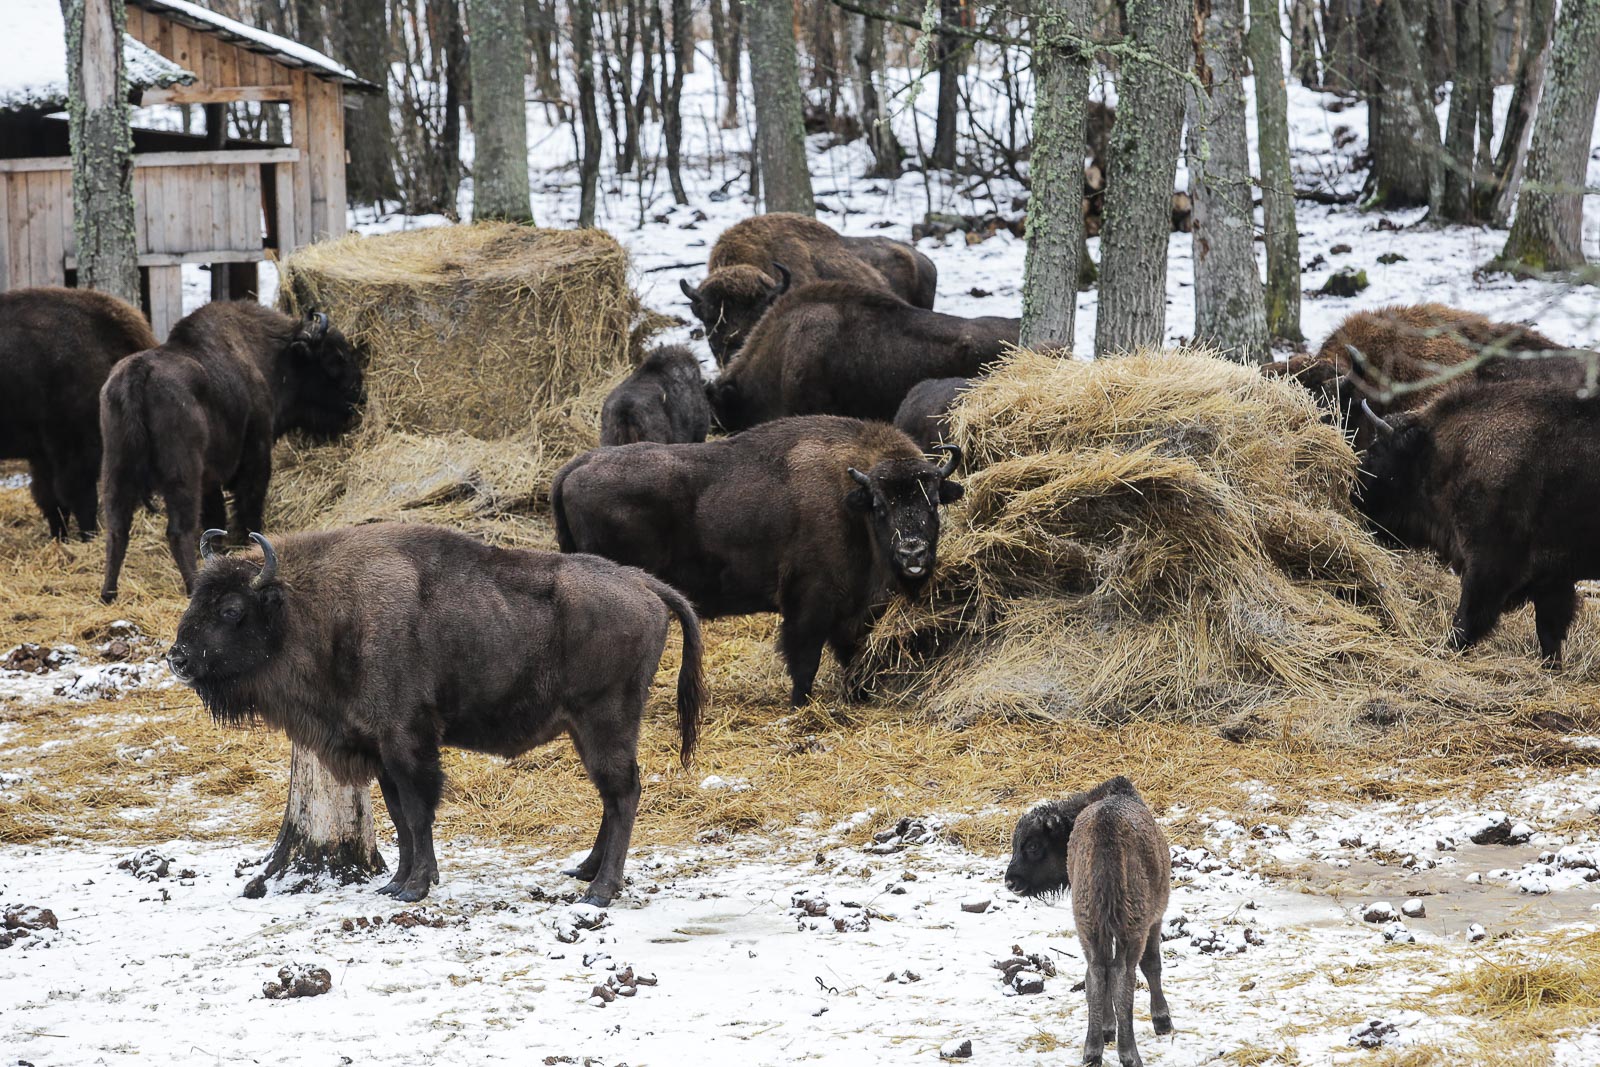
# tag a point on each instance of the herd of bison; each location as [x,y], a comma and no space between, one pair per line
[375,645]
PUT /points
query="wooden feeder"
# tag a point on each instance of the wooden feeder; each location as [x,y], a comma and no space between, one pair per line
[229,202]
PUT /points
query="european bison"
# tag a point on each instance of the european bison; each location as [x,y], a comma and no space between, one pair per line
[56,348]
[1503,482]
[832,348]
[756,260]
[199,415]
[922,414]
[375,645]
[1107,848]
[664,399]
[820,518]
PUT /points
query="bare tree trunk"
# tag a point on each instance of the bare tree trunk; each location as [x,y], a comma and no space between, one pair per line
[950,57]
[1525,96]
[672,128]
[1547,232]
[1404,131]
[1469,98]
[1143,163]
[1055,172]
[1303,42]
[544,45]
[103,223]
[499,113]
[727,26]
[327,830]
[1277,182]
[369,131]
[780,124]
[887,153]
[1229,309]
[458,80]
[1344,66]
[311,24]
[589,114]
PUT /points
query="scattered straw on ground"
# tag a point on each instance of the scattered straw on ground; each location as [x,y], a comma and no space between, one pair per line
[1169,536]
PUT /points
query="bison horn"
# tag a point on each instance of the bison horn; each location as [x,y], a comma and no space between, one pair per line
[1379,423]
[208,542]
[269,562]
[860,479]
[952,459]
[784,278]
[317,325]
[688,290]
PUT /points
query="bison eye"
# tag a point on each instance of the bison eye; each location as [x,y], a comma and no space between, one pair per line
[1032,850]
[232,613]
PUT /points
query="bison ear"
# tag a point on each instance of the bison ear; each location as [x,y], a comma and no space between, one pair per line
[858,500]
[950,492]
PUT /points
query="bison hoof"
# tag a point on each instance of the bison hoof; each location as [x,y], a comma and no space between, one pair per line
[411,894]
[599,900]
[1163,1024]
[392,889]
[580,874]
[107,596]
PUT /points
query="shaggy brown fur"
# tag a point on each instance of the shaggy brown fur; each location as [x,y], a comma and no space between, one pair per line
[200,413]
[742,278]
[821,519]
[375,645]
[922,415]
[56,348]
[1106,847]
[1503,482]
[840,349]
[664,399]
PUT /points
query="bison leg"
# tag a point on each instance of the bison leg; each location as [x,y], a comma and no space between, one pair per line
[402,833]
[1553,612]
[183,531]
[845,643]
[1094,987]
[1122,968]
[119,520]
[75,479]
[608,745]
[801,635]
[213,510]
[1483,597]
[42,486]
[250,489]
[590,867]
[417,781]
[1160,1014]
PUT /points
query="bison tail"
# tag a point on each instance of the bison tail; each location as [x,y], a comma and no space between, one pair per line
[127,476]
[558,513]
[691,674]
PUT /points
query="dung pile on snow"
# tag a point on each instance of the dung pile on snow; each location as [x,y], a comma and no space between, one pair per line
[1169,535]
[490,349]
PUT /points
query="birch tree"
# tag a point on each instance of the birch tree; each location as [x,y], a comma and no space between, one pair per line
[327,829]
[495,36]
[780,123]
[102,148]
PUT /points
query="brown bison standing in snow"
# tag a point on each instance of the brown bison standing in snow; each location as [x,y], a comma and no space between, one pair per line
[56,348]
[375,645]
[755,261]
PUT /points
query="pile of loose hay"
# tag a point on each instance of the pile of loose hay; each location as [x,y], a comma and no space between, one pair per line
[490,350]
[1169,536]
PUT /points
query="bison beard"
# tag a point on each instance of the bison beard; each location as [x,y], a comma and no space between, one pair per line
[1502,481]
[821,519]
[374,645]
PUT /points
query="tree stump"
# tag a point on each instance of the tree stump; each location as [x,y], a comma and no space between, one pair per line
[327,832]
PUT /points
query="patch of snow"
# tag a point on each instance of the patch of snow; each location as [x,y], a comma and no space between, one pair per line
[33,58]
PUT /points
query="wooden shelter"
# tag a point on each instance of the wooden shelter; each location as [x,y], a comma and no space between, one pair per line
[200,197]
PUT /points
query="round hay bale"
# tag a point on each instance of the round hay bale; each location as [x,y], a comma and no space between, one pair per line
[1169,535]
[490,349]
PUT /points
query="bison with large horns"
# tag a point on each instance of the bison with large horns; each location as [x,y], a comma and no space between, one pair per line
[820,519]
[375,645]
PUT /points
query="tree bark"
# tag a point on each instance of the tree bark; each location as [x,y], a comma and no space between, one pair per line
[499,113]
[1303,42]
[1344,65]
[311,24]
[369,131]
[327,830]
[672,127]
[1143,163]
[1403,128]
[1055,175]
[1229,308]
[727,33]
[887,153]
[1547,232]
[1277,182]
[589,114]
[780,123]
[949,55]
[1469,99]
[103,221]
[1529,87]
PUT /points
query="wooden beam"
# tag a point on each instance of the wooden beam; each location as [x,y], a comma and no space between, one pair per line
[166,299]
[177,259]
[216,94]
[164,159]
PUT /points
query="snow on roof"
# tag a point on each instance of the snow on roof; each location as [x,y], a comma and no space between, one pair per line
[290,53]
[33,58]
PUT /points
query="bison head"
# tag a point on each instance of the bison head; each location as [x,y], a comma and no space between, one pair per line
[900,499]
[1389,484]
[1038,864]
[232,625]
[731,301]
[326,374]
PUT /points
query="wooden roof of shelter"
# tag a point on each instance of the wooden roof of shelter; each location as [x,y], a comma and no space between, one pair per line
[281,49]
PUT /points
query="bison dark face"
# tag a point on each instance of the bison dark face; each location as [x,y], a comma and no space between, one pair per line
[731,302]
[1388,487]
[901,498]
[329,386]
[1038,864]
[231,627]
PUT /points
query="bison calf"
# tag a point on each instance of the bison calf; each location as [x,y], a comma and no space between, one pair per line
[838,349]
[1105,846]
[374,645]
[756,260]
[820,519]
[663,400]
[56,348]
[1502,481]
[199,415]
[922,414]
